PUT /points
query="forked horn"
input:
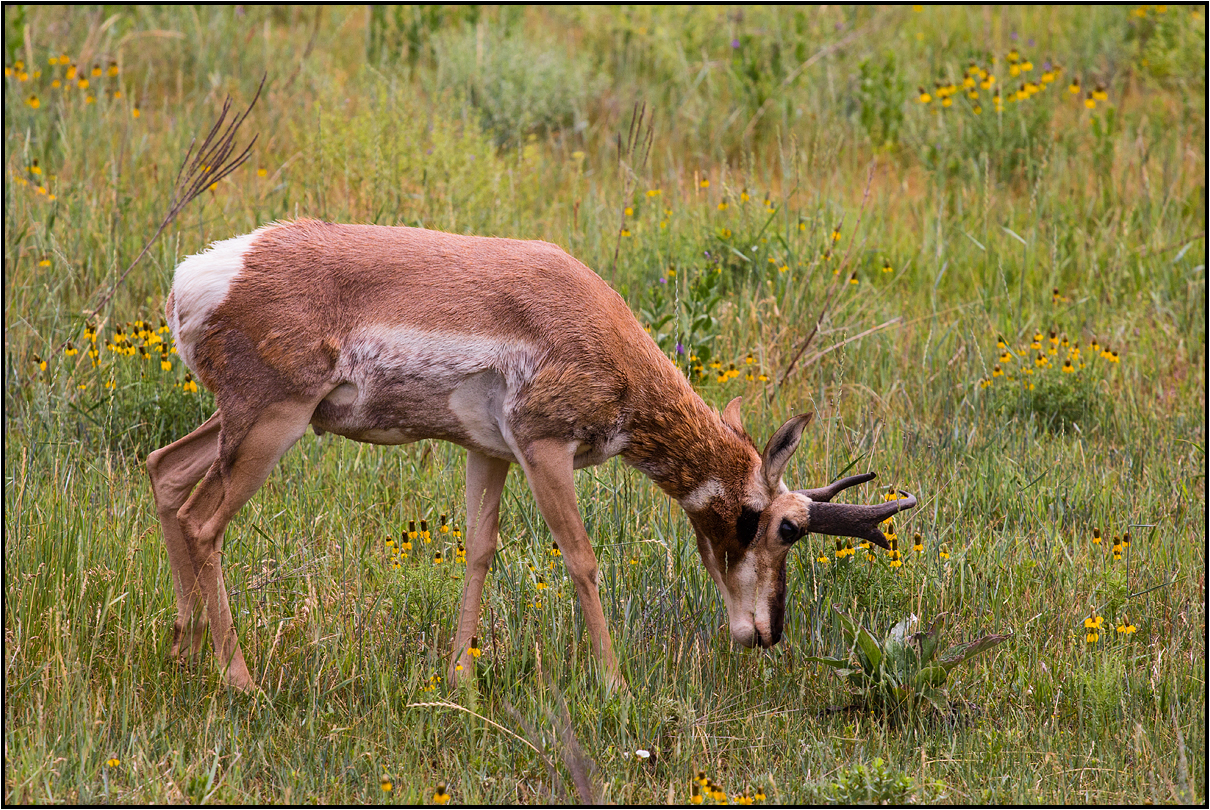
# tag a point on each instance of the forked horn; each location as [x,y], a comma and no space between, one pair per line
[850,519]
[829,492]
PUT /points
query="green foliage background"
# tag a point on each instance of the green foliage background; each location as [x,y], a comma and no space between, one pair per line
[774,130]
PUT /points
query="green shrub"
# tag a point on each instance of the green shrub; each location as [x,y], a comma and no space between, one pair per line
[129,393]
[874,784]
[1054,381]
[898,672]
[517,86]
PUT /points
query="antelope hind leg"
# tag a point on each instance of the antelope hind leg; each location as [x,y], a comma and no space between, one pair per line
[245,459]
[174,471]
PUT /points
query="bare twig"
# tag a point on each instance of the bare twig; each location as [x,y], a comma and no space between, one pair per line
[556,781]
[1145,251]
[211,163]
[443,705]
[817,355]
[307,50]
[582,768]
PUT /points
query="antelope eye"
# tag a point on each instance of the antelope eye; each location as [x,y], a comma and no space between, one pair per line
[788,532]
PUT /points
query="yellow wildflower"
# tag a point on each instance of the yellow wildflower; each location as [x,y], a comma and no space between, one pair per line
[440,796]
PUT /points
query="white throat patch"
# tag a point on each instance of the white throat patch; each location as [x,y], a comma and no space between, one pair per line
[696,501]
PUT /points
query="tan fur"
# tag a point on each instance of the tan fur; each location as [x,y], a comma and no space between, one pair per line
[512,349]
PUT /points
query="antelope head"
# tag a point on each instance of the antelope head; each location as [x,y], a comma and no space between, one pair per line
[747,526]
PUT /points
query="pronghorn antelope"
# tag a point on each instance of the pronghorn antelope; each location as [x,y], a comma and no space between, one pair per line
[511,349]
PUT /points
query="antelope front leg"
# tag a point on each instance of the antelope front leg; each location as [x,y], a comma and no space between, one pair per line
[484,484]
[549,467]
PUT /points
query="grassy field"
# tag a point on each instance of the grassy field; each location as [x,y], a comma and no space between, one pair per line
[883,216]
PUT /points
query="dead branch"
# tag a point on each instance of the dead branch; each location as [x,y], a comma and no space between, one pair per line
[211,163]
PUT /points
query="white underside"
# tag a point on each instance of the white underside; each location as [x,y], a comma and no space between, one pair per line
[482,375]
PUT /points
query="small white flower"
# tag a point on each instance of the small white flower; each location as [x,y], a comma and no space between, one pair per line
[642,753]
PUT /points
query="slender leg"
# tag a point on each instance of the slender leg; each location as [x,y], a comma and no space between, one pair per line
[484,484]
[549,467]
[245,458]
[174,471]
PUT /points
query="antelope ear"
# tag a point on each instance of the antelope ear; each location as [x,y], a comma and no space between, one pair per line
[732,418]
[779,449]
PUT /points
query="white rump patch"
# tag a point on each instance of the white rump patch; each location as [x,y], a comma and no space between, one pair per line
[696,501]
[200,284]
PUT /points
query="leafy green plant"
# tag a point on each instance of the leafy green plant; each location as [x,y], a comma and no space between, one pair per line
[901,669]
[880,92]
[680,314]
[1104,133]
[398,32]
[875,784]
[1058,402]
[757,69]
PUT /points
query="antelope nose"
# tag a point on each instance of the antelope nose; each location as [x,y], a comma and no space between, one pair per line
[745,636]
[766,640]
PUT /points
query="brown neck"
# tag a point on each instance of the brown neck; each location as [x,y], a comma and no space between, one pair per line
[681,443]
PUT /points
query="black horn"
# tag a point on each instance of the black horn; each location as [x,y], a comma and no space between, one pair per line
[853,520]
[832,490]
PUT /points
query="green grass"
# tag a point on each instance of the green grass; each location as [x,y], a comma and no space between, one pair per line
[388,118]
